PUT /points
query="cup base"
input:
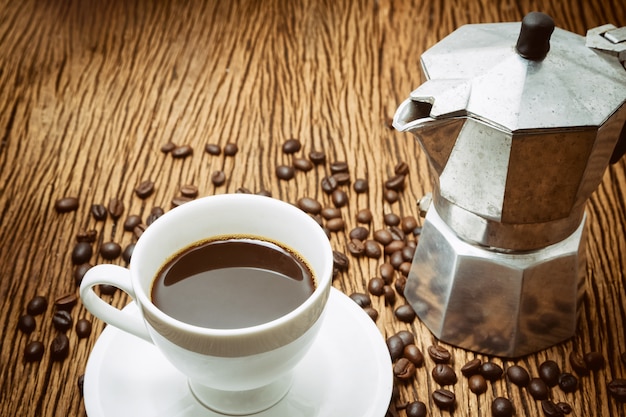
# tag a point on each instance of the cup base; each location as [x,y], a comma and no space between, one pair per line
[242,403]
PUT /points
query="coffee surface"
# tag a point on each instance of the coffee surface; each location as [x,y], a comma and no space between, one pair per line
[232,283]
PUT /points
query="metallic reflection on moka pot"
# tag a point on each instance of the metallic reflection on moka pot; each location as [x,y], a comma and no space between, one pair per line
[519,122]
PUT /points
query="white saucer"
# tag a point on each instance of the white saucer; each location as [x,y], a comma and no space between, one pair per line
[346,373]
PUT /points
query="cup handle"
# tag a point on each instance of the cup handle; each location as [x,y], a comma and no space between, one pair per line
[118,277]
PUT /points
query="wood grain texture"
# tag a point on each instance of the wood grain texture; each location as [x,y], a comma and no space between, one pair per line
[90,91]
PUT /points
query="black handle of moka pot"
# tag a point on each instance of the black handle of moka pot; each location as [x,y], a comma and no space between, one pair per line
[534,38]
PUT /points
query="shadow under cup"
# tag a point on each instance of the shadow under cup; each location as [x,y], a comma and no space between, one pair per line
[235,371]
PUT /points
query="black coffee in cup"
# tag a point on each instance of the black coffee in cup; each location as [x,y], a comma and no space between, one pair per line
[232,282]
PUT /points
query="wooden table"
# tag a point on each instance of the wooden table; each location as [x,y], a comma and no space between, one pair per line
[90,91]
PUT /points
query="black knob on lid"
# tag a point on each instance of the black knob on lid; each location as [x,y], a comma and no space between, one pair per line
[534,37]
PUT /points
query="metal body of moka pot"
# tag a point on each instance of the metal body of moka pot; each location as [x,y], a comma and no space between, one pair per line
[519,122]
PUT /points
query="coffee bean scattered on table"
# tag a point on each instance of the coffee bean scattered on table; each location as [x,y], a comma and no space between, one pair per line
[26,324]
[181,152]
[444,399]
[81,253]
[443,374]
[37,305]
[33,352]
[231,149]
[549,371]
[471,367]
[213,149]
[115,208]
[404,370]
[568,382]
[518,375]
[439,354]
[110,250]
[285,172]
[145,189]
[405,313]
[291,146]
[491,371]
[66,204]
[99,212]
[538,389]
[477,384]
[60,347]
[317,157]
[416,409]
[550,409]
[617,389]
[83,328]
[502,407]
[62,320]
[594,361]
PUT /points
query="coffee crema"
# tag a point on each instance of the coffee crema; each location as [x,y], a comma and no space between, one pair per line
[232,282]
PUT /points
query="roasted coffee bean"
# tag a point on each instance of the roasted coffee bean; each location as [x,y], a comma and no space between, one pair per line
[356,247]
[568,382]
[359,232]
[339,198]
[62,320]
[549,371]
[309,205]
[518,375]
[66,301]
[416,409]
[26,324]
[180,200]
[80,271]
[443,374]
[364,216]
[33,352]
[128,252]
[329,184]
[594,361]
[145,189]
[189,190]
[66,204]
[394,246]
[291,146]
[477,384]
[391,196]
[408,224]
[400,284]
[538,389]
[339,166]
[391,219]
[340,261]
[81,253]
[317,157]
[491,371]
[390,295]
[617,389]
[550,409]
[414,354]
[502,407]
[335,225]
[115,208]
[139,229]
[395,345]
[83,328]
[401,168]
[360,186]
[578,364]
[155,213]
[408,252]
[285,172]
[564,407]
[405,268]
[302,164]
[218,178]
[383,236]
[471,368]
[406,336]
[395,183]
[397,233]
[131,222]
[363,300]
[88,236]
[106,289]
[405,313]
[395,259]
[168,147]
[182,151]
[372,249]
[404,369]
[444,399]
[110,250]
[37,305]
[387,272]
[98,211]
[343,178]
[372,312]
[213,149]
[60,347]
[330,213]
[439,354]
[375,286]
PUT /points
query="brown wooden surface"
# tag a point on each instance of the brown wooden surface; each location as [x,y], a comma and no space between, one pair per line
[90,90]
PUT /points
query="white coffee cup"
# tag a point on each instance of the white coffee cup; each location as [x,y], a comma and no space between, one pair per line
[232,371]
